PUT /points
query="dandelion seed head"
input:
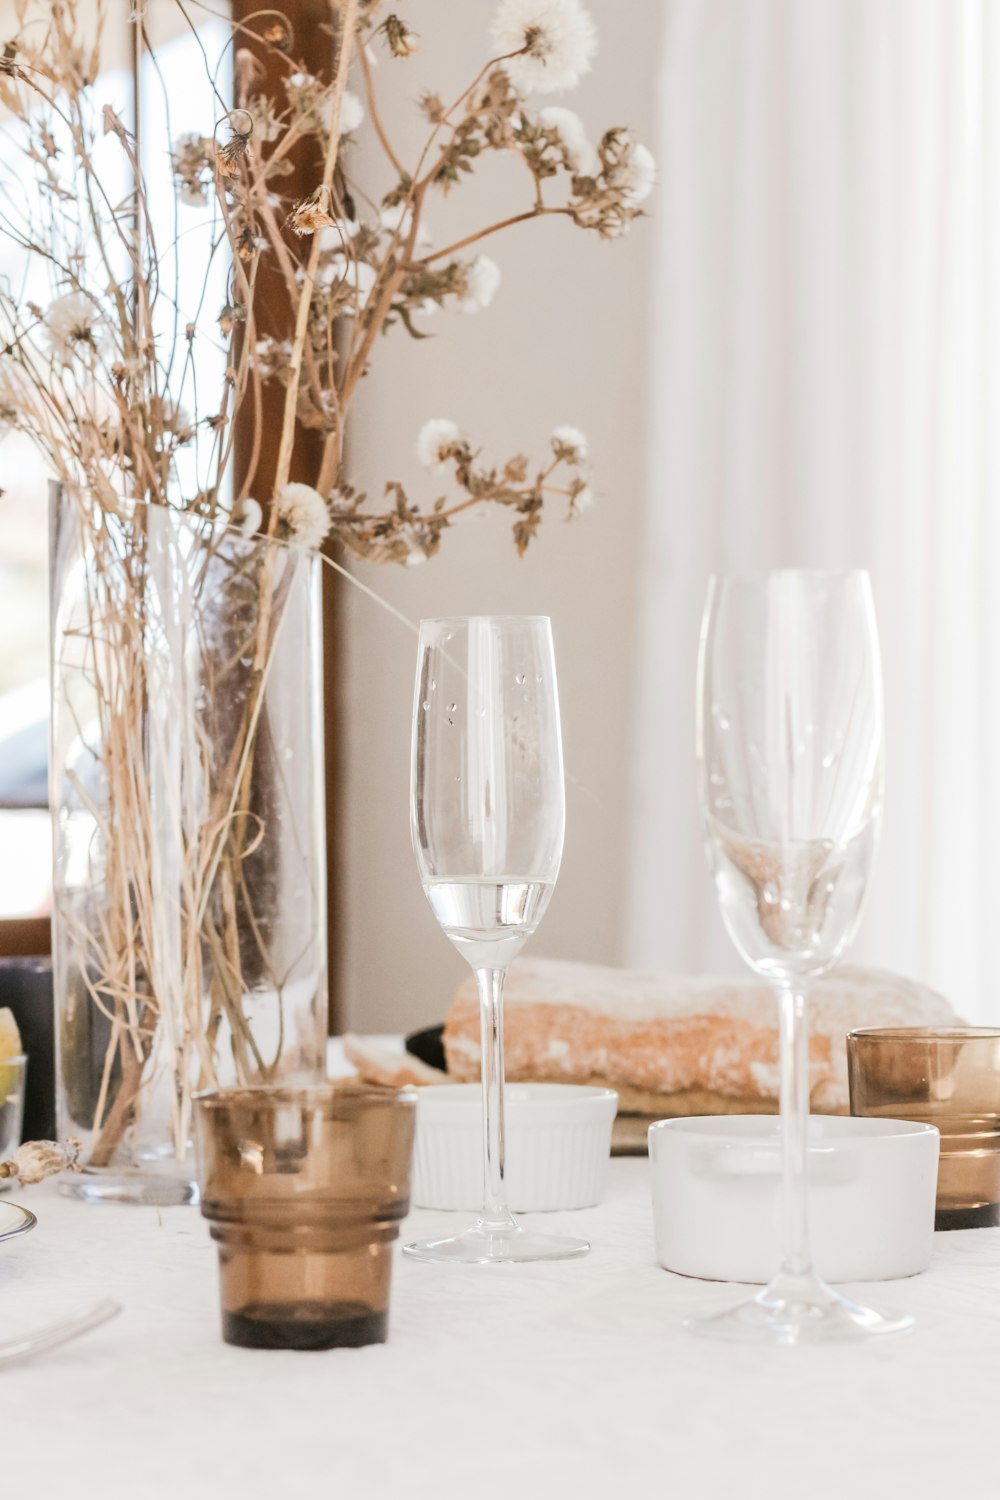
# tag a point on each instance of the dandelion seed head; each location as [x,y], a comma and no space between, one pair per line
[436,442]
[572,442]
[73,322]
[481,284]
[556,39]
[303,516]
[398,216]
[248,517]
[639,172]
[580,155]
[352,112]
[358,274]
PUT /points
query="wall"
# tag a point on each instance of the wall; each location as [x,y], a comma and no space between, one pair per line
[826,373]
[563,342]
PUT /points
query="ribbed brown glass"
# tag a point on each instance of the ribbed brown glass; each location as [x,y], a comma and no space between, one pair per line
[304,1190]
[944,1076]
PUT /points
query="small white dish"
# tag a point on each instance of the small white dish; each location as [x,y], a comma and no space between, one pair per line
[717,1188]
[14,1220]
[558,1146]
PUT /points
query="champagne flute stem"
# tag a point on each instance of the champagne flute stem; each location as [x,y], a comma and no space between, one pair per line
[496,1215]
[794,1064]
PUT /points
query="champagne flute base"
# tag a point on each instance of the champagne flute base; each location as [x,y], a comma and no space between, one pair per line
[483,1245]
[798,1310]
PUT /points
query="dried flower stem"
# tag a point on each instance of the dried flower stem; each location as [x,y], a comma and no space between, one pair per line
[482,234]
[348,17]
[373,110]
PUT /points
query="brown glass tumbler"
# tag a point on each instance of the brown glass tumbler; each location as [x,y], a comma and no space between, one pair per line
[304,1190]
[947,1076]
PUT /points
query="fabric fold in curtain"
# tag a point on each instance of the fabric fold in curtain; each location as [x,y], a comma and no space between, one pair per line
[824,390]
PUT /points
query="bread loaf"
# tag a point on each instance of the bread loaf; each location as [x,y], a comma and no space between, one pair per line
[678,1046]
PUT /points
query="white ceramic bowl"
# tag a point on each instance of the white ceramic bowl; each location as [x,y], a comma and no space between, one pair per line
[716,1195]
[558,1145]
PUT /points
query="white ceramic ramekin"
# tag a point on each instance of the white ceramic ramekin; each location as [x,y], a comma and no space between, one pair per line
[716,1196]
[558,1145]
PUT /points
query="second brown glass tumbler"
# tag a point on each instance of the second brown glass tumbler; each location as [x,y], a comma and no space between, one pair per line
[946,1076]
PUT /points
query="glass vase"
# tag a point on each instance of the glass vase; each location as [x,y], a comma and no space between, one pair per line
[187,781]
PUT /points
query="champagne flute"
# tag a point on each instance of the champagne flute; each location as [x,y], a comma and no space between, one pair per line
[487,818]
[789,727]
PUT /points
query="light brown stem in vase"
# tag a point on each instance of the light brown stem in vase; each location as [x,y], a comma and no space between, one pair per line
[333,453]
[348,16]
[122,1111]
[360,358]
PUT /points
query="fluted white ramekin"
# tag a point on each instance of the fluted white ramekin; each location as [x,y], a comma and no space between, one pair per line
[558,1145]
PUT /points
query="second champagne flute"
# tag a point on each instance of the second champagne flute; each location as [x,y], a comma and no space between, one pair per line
[790,766]
[487,818]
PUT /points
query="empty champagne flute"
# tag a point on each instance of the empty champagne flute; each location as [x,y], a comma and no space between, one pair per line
[487,818]
[789,739]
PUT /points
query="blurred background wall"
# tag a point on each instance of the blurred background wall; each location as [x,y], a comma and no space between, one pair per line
[824,384]
[792,362]
[565,340]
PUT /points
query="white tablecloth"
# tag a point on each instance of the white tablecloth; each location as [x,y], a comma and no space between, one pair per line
[560,1380]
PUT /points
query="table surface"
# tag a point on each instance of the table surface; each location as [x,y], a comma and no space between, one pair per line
[571,1379]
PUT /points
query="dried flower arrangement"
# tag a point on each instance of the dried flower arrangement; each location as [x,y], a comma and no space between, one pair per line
[103,379]
[95,381]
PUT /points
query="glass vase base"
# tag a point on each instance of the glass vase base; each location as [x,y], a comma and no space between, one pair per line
[798,1311]
[125,1187]
[481,1245]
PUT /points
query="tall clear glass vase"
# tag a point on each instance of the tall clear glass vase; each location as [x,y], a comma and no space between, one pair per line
[189,924]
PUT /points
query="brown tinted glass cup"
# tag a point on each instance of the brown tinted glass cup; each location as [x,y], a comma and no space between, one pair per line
[304,1190]
[945,1076]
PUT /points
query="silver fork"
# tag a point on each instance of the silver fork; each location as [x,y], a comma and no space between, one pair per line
[15,1351]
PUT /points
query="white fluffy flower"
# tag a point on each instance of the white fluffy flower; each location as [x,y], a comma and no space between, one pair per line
[583,499]
[73,322]
[305,94]
[399,220]
[637,174]
[435,441]
[357,273]
[399,216]
[302,514]
[581,157]
[481,284]
[193,194]
[352,112]
[249,517]
[334,236]
[573,439]
[556,38]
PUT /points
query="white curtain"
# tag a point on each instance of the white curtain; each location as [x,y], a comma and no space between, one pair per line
[824,389]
